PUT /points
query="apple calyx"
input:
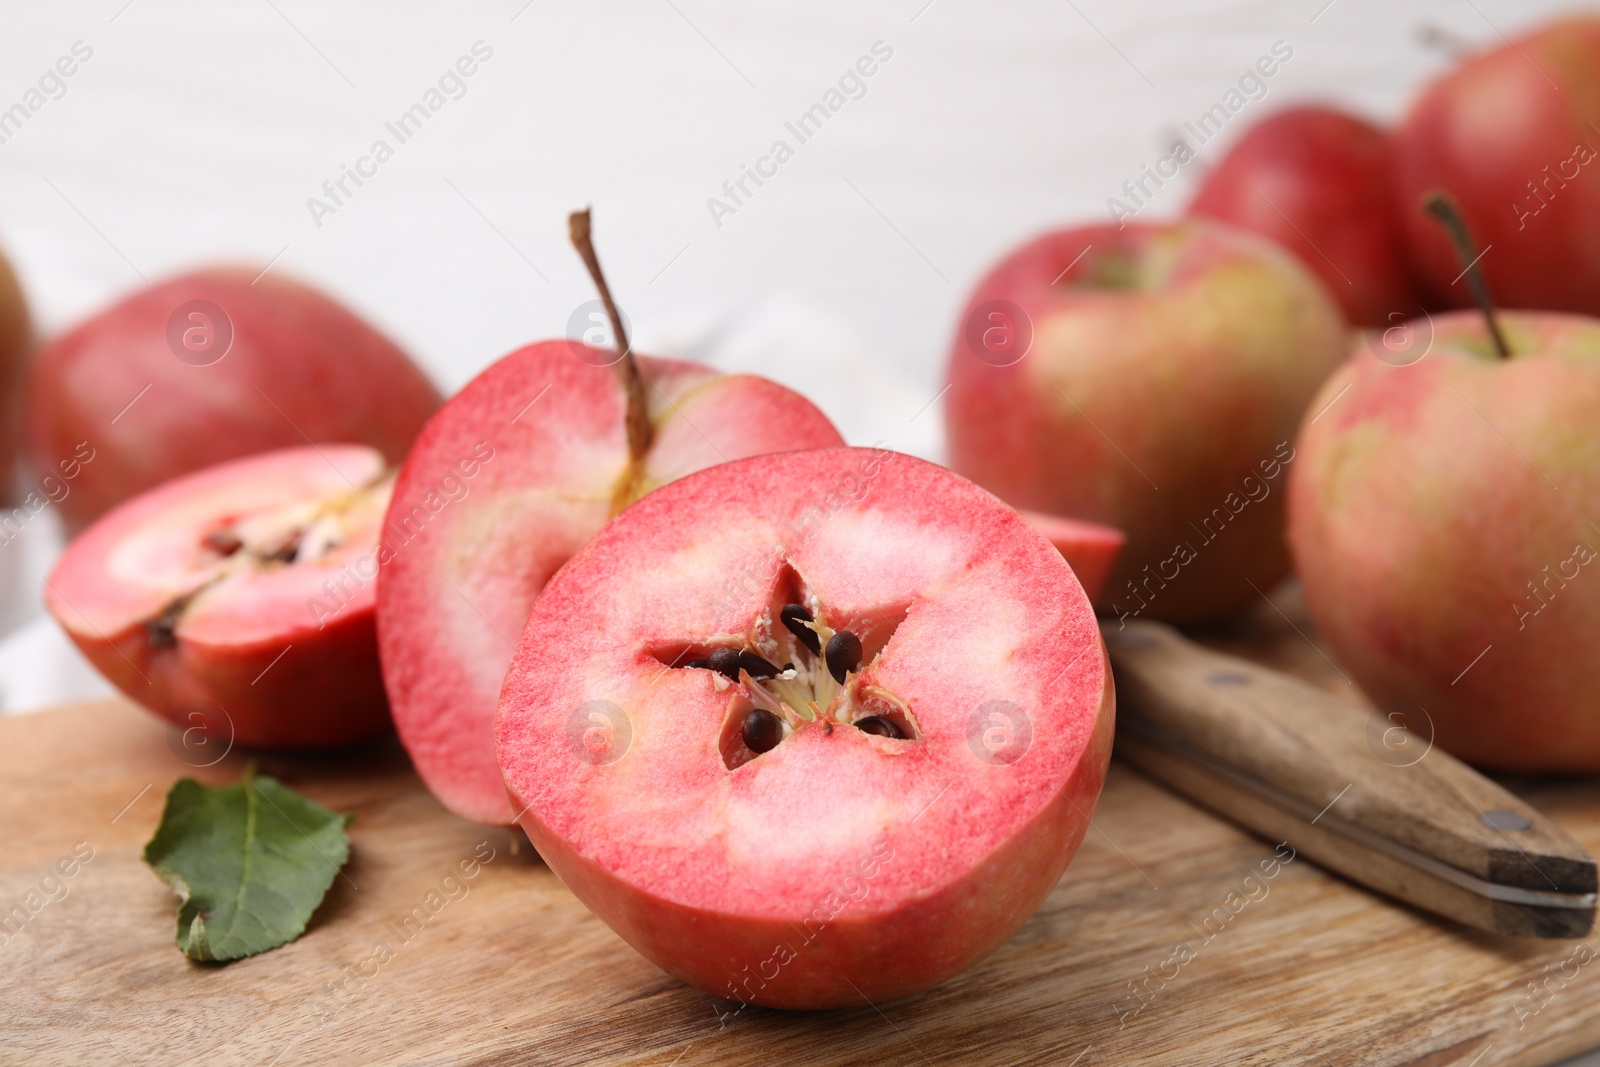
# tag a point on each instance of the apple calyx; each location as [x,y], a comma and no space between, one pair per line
[1442,206]
[640,432]
[821,683]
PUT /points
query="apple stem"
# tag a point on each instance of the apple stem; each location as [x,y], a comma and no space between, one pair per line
[1443,207]
[638,416]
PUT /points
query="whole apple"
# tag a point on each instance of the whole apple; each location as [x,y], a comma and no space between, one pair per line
[1512,133]
[210,366]
[1319,182]
[1443,516]
[1151,378]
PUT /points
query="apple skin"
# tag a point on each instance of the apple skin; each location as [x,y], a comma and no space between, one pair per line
[1168,366]
[837,869]
[1483,132]
[246,641]
[511,477]
[1422,525]
[300,368]
[1320,183]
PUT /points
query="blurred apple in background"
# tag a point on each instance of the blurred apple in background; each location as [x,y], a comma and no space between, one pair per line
[1318,181]
[209,366]
[1151,378]
[1514,134]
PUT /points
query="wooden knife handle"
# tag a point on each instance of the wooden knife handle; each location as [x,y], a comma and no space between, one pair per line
[1346,787]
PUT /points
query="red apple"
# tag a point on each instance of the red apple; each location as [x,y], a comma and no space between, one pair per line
[860,825]
[210,599]
[210,366]
[1150,378]
[506,482]
[1512,133]
[1319,182]
[1442,515]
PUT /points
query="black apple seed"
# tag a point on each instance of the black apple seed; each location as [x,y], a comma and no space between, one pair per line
[725,661]
[794,618]
[700,663]
[877,724]
[755,666]
[844,654]
[762,731]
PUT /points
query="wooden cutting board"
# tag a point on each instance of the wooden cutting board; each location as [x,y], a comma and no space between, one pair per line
[1158,947]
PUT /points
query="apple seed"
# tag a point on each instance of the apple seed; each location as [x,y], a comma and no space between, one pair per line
[762,731]
[844,654]
[795,617]
[725,661]
[879,726]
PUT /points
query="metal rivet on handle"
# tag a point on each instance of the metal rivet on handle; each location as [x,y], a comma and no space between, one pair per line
[1500,819]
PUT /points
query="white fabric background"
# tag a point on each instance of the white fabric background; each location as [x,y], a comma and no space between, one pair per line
[197,132]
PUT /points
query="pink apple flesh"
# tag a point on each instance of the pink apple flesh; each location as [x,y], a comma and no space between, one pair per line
[203,594]
[510,479]
[1443,520]
[838,866]
[1091,548]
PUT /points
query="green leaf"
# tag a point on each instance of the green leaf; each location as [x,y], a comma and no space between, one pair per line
[250,862]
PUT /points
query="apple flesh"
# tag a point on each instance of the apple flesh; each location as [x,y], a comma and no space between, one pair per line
[214,600]
[1167,370]
[265,363]
[1089,547]
[1442,516]
[907,802]
[1511,134]
[1320,183]
[507,481]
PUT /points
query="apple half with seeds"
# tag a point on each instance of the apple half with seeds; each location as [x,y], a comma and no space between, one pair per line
[812,729]
[246,588]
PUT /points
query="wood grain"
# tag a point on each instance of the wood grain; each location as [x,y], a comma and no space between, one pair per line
[1136,957]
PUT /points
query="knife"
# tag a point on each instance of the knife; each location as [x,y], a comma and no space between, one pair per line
[1293,763]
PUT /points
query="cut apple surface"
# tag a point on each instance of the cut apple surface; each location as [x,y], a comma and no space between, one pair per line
[244,590]
[810,730]
[1090,547]
[508,480]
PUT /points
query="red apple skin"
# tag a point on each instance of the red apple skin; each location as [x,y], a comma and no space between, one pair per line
[714,874]
[284,676]
[300,368]
[1320,183]
[1145,406]
[1424,502]
[506,482]
[1483,132]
